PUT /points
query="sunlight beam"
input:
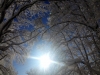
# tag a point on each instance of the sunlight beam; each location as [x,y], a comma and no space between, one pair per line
[45,61]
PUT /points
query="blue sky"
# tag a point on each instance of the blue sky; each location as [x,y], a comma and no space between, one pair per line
[30,63]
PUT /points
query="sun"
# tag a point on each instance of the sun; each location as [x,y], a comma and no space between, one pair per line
[45,61]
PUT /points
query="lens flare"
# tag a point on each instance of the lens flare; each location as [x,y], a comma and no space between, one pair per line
[45,61]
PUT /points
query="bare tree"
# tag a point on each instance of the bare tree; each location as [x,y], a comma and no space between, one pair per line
[74,25]
[14,40]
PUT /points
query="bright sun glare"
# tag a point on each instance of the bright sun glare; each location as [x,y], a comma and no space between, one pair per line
[45,61]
